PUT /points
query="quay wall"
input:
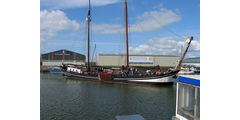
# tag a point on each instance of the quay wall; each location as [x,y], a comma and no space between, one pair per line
[59,62]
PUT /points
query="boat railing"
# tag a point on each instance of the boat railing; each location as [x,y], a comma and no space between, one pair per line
[139,75]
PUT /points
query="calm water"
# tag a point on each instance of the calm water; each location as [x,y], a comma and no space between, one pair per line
[67,99]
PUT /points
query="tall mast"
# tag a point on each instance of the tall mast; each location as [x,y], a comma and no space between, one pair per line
[184,53]
[89,20]
[126,20]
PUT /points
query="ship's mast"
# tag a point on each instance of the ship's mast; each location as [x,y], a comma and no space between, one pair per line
[184,53]
[89,20]
[126,20]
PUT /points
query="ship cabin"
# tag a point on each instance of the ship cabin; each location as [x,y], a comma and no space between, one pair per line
[188,98]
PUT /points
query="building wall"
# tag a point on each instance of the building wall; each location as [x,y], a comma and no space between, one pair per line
[119,60]
[111,60]
[168,61]
[55,58]
[58,63]
[62,54]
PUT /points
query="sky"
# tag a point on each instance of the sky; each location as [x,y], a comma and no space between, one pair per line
[156,27]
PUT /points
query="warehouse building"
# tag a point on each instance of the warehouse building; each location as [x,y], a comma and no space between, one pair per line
[56,58]
[137,60]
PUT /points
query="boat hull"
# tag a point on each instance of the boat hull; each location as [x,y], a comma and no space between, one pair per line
[145,81]
[159,80]
[55,69]
[80,76]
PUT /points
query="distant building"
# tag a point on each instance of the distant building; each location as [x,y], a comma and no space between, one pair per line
[56,58]
[137,60]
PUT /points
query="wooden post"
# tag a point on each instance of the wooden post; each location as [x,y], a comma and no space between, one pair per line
[74,56]
[63,56]
[52,54]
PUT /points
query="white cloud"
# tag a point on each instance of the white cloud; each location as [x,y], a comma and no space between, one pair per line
[53,21]
[148,21]
[164,46]
[107,28]
[195,46]
[154,20]
[58,4]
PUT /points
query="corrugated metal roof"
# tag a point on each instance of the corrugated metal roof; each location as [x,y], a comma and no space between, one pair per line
[61,50]
[63,55]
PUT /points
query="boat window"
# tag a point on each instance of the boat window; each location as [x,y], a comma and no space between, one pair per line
[188,101]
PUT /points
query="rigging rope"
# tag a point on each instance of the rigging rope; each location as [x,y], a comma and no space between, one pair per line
[91,42]
[82,46]
[122,32]
[85,38]
[164,27]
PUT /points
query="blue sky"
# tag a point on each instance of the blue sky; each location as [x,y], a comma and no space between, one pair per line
[155,27]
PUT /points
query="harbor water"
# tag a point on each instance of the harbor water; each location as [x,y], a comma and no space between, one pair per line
[68,99]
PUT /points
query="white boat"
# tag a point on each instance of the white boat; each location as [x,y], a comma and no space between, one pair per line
[183,72]
[188,98]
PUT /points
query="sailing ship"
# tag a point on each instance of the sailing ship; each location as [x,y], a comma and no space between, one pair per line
[79,71]
[106,76]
